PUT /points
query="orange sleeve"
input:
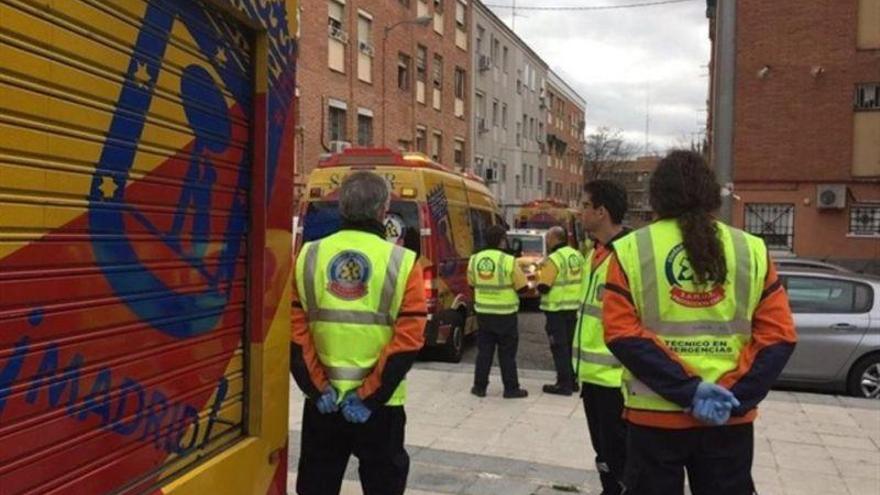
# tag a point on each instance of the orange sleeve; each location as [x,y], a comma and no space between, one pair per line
[307,370]
[407,340]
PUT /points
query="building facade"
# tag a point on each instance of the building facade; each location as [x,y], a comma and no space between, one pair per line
[383,73]
[635,177]
[806,125]
[509,112]
[566,120]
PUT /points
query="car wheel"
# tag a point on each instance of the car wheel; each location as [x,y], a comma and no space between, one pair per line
[864,380]
[454,348]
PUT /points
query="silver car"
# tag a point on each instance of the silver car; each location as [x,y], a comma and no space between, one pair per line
[837,315]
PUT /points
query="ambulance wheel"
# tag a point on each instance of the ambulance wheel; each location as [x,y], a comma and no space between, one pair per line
[454,347]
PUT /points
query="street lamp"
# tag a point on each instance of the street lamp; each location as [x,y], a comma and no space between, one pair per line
[422,21]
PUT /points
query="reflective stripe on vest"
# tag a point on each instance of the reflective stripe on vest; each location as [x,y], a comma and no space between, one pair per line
[348,338]
[565,292]
[593,362]
[707,327]
[495,295]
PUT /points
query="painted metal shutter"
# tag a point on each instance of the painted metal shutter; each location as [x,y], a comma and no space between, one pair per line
[124,185]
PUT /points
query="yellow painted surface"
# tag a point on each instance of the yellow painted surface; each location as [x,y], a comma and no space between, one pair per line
[869,24]
[866,144]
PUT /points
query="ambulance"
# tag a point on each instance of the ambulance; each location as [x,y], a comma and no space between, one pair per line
[146,165]
[546,213]
[440,214]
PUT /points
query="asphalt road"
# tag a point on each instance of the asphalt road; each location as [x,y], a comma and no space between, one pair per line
[534,350]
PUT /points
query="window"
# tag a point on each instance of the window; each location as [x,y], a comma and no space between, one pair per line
[438,17]
[481,32]
[460,88]
[480,107]
[458,156]
[337,36]
[495,113]
[540,177]
[504,115]
[869,24]
[460,83]
[422,140]
[337,122]
[867,97]
[461,32]
[503,172]
[866,127]
[404,66]
[438,71]
[827,295]
[518,189]
[422,8]
[365,47]
[421,73]
[504,59]
[772,222]
[496,48]
[404,145]
[365,128]
[437,147]
[519,133]
[864,220]
[481,220]
[438,79]
[460,14]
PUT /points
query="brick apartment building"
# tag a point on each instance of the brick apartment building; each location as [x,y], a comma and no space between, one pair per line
[566,119]
[635,176]
[805,141]
[369,74]
[508,132]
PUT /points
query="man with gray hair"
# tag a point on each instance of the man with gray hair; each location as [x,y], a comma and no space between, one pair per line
[358,322]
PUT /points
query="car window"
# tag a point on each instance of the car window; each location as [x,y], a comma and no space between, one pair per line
[401,224]
[481,220]
[533,244]
[824,295]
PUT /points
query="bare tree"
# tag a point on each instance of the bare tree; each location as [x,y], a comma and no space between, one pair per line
[606,150]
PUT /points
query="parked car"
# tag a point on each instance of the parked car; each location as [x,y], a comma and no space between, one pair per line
[837,315]
[796,263]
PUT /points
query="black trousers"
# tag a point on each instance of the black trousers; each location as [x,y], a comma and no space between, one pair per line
[328,440]
[718,460]
[560,331]
[604,407]
[501,332]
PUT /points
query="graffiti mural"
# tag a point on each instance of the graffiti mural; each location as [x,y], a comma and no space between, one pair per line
[127,269]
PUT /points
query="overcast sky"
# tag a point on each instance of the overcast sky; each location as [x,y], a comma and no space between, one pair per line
[610,57]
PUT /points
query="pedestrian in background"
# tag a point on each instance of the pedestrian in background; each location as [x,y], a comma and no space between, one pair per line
[695,312]
[560,286]
[359,315]
[496,281]
[599,372]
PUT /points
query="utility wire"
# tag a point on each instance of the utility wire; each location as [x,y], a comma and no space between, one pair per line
[585,8]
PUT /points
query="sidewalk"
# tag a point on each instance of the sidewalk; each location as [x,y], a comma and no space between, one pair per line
[805,444]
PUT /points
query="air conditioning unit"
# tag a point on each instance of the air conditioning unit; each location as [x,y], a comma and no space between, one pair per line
[485,63]
[339,146]
[482,126]
[366,48]
[338,34]
[831,196]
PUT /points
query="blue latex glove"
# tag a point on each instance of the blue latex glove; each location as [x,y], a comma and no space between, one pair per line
[711,412]
[712,403]
[354,410]
[326,404]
